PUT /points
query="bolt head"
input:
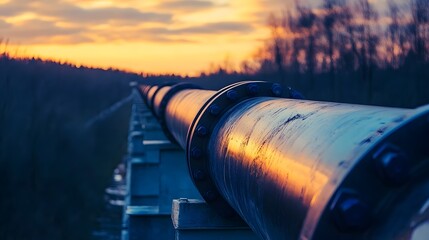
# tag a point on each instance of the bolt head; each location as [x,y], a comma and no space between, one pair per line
[214,110]
[210,195]
[232,95]
[349,212]
[276,89]
[295,94]
[353,212]
[395,167]
[202,131]
[392,165]
[196,152]
[253,88]
[199,175]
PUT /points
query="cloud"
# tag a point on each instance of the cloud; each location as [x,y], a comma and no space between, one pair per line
[169,35]
[219,27]
[63,22]
[4,25]
[138,35]
[75,14]
[64,39]
[11,9]
[38,31]
[209,28]
[163,39]
[186,5]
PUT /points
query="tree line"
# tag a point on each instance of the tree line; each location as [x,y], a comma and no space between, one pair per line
[343,46]
[53,170]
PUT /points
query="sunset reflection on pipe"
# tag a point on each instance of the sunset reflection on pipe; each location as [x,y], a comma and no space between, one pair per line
[273,157]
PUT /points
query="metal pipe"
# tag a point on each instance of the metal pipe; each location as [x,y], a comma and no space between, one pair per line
[158,99]
[295,169]
[182,110]
[278,157]
[144,88]
[150,94]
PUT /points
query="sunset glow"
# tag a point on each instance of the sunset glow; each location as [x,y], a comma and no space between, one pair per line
[152,36]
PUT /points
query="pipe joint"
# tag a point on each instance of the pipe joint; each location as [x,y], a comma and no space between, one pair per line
[203,125]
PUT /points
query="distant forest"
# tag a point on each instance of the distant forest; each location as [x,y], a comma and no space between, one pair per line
[348,51]
[54,166]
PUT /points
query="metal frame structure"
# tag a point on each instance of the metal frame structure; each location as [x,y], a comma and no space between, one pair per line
[296,169]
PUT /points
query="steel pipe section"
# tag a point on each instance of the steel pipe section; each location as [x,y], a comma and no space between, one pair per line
[158,99]
[301,169]
[150,94]
[143,90]
[296,169]
[168,103]
[181,111]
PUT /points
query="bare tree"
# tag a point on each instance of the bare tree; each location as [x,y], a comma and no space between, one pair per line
[333,29]
[419,53]
[278,54]
[305,26]
[367,41]
[419,28]
[392,43]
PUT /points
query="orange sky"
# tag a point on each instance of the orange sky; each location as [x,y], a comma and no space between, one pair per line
[155,36]
[151,36]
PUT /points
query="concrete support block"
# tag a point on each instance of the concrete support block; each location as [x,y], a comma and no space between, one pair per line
[154,179]
[164,168]
[143,185]
[147,222]
[195,220]
[135,126]
[135,143]
[148,118]
[153,131]
[158,176]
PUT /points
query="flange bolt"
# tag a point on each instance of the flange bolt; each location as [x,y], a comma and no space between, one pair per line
[210,195]
[392,165]
[214,110]
[349,212]
[276,89]
[232,95]
[199,175]
[202,131]
[253,88]
[196,152]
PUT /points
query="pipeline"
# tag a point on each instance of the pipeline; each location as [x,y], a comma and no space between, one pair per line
[299,169]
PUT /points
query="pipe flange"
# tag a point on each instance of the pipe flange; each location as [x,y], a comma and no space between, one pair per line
[151,101]
[163,105]
[394,167]
[199,134]
[154,94]
[144,91]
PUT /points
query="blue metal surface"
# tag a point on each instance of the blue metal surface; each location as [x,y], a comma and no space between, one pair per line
[156,174]
[194,220]
[301,169]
